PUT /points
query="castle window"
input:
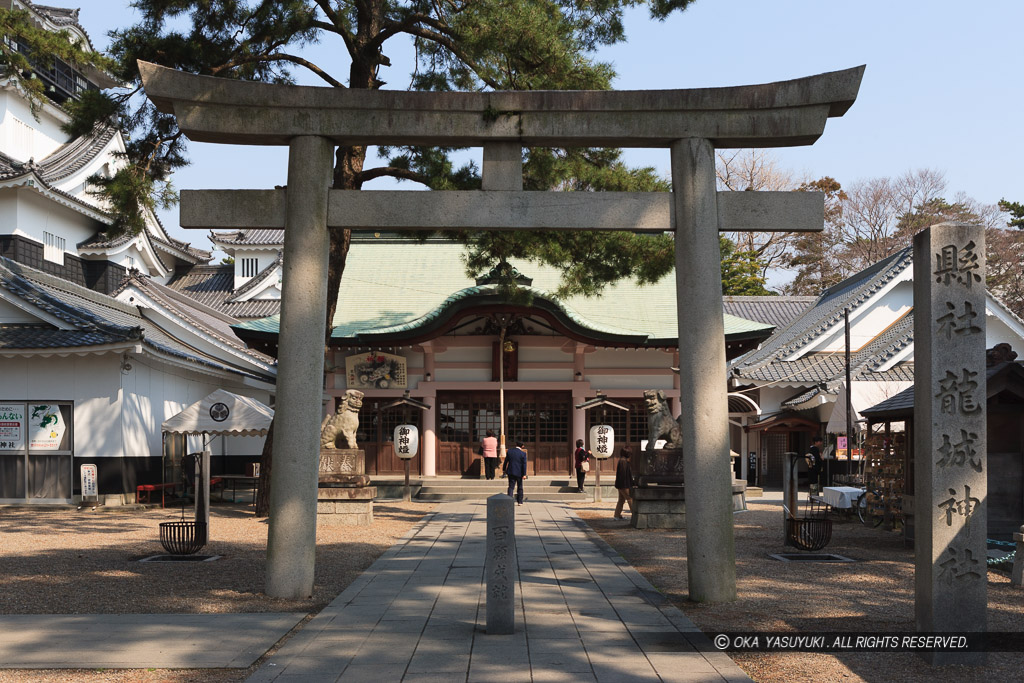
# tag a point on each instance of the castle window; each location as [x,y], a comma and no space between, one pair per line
[53,248]
[250,267]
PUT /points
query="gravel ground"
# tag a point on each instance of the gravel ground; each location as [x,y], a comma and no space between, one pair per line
[47,556]
[876,593]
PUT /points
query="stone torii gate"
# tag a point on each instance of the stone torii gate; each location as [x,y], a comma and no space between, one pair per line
[691,123]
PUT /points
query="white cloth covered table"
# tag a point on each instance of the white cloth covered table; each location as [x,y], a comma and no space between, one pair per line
[841,496]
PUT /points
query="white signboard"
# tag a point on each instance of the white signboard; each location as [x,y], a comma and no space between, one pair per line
[602,441]
[45,427]
[89,488]
[407,441]
[12,426]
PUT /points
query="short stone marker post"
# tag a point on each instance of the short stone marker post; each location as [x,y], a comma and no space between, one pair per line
[501,567]
[950,454]
[1017,574]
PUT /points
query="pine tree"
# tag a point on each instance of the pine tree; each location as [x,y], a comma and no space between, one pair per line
[480,45]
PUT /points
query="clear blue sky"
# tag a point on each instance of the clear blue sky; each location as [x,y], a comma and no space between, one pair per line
[943,88]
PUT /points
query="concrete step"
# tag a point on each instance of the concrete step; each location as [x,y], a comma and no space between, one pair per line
[484,483]
[528,495]
[481,490]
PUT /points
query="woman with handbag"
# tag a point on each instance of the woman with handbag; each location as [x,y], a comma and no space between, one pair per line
[581,458]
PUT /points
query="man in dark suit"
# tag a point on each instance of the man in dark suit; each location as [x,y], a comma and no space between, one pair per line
[515,468]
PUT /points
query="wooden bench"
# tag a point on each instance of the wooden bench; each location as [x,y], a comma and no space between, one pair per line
[142,492]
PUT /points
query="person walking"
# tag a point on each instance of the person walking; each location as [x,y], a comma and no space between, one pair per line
[623,482]
[815,465]
[489,449]
[515,469]
[581,459]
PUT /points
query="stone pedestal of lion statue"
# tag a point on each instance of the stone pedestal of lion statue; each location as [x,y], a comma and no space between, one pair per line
[659,499]
[344,495]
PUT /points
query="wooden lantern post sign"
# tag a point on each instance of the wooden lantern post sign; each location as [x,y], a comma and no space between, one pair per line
[407,444]
[602,445]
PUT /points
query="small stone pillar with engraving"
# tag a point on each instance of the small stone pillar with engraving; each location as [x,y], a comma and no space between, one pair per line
[501,566]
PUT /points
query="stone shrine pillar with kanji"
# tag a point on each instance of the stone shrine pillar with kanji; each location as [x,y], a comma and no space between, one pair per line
[950,449]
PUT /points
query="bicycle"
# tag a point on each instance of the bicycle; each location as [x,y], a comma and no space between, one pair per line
[873,508]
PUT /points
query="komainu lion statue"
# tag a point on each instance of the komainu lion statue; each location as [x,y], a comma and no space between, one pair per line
[344,423]
[660,423]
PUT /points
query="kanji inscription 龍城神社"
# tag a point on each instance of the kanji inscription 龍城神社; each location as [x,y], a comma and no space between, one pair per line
[950,459]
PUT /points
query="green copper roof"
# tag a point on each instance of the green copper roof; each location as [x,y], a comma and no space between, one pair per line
[394,285]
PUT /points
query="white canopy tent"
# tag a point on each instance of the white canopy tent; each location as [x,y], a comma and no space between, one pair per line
[222,413]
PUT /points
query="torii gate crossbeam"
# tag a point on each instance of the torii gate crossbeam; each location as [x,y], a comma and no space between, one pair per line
[691,123]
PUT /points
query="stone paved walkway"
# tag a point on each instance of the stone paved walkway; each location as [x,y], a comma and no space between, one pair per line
[419,613]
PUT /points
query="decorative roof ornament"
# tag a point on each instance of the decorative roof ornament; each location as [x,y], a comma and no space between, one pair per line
[504,271]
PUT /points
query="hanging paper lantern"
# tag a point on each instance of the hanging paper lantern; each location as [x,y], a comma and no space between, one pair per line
[602,441]
[407,441]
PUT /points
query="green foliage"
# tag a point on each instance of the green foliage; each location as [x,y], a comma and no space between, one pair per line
[483,45]
[931,212]
[1016,211]
[814,254]
[741,271]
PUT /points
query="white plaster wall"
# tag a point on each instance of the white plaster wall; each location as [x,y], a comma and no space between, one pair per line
[465,354]
[998,332]
[621,358]
[772,398]
[543,354]
[462,375]
[116,414]
[36,214]
[9,313]
[264,257]
[90,381]
[545,375]
[8,210]
[21,135]
[640,382]
[868,324]
[269,294]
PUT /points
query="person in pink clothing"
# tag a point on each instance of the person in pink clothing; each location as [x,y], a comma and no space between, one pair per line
[489,448]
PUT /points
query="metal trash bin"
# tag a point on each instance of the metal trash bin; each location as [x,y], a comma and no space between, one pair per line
[181,538]
[809,533]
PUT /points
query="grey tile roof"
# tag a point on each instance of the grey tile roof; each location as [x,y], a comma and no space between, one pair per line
[771,310]
[902,404]
[96,319]
[249,238]
[802,397]
[205,318]
[767,363]
[213,286]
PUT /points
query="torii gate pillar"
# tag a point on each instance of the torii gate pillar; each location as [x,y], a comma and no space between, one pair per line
[711,554]
[291,543]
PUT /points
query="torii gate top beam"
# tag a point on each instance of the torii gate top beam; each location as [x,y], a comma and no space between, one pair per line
[782,114]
